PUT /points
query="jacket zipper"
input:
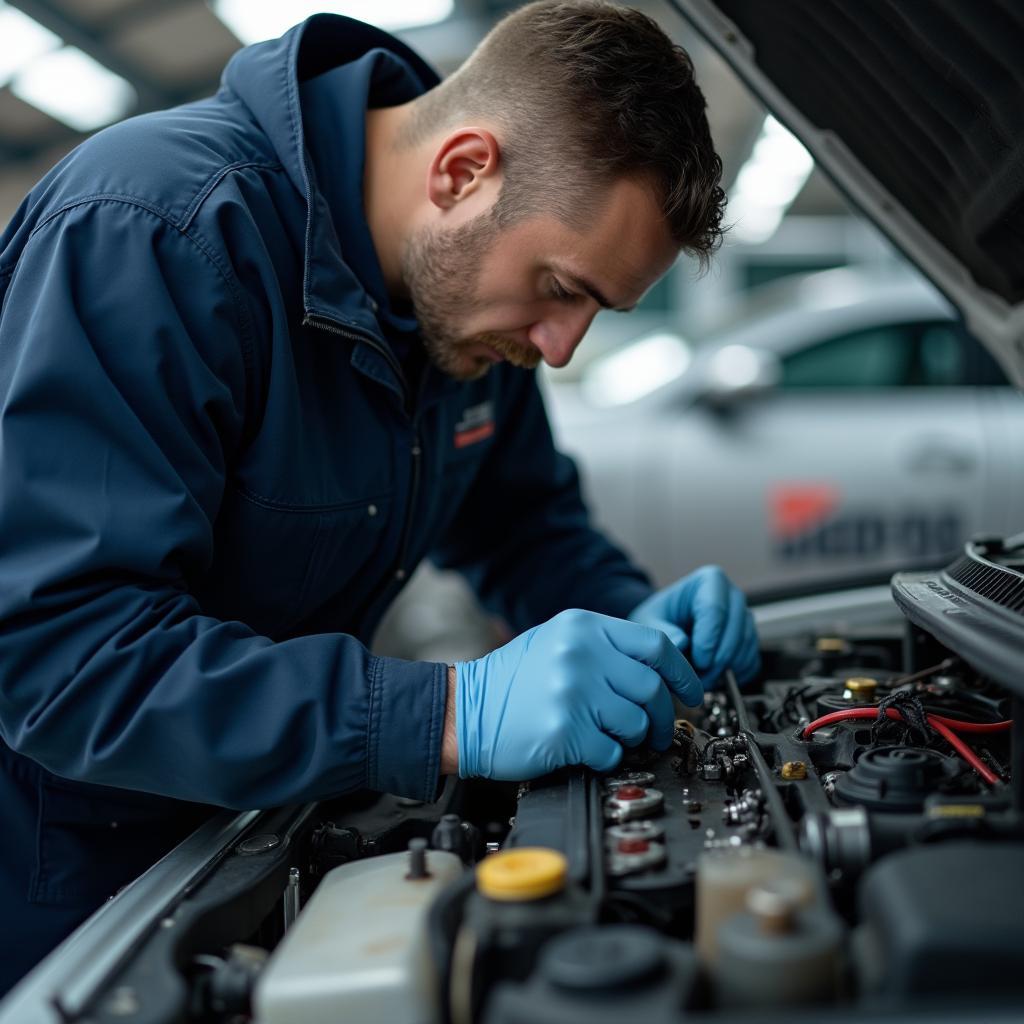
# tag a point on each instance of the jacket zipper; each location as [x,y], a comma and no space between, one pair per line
[323,324]
[414,490]
[399,573]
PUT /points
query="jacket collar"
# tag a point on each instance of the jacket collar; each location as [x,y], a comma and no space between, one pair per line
[266,78]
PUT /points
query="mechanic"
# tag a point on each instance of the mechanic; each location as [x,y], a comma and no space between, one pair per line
[261,354]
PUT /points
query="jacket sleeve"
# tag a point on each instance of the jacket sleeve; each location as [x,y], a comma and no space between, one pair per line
[124,382]
[523,538]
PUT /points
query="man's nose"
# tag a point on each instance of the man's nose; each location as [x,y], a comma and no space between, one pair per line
[556,337]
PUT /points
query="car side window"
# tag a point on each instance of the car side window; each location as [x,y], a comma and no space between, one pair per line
[941,357]
[947,356]
[979,367]
[939,354]
[879,357]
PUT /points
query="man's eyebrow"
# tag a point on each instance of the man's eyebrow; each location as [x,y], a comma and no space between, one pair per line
[593,291]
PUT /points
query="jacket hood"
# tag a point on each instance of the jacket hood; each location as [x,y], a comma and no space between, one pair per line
[266,77]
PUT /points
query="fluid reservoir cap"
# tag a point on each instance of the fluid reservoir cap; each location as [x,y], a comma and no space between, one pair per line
[831,645]
[610,957]
[775,904]
[527,873]
[860,688]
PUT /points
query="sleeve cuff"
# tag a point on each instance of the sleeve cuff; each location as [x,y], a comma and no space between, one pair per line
[406,727]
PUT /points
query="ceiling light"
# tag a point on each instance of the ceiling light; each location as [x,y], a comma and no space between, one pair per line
[775,172]
[21,41]
[72,87]
[255,20]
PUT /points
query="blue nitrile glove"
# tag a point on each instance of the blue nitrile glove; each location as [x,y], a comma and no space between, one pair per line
[705,615]
[569,691]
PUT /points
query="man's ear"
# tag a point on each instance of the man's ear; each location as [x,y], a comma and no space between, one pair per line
[466,159]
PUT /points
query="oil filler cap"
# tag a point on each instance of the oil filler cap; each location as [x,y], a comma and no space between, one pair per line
[527,873]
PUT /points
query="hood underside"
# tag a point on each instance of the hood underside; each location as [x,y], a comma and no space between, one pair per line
[916,111]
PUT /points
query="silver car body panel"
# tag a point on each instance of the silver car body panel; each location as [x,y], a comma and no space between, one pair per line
[803,485]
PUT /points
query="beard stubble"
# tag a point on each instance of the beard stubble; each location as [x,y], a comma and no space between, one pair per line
[441,271]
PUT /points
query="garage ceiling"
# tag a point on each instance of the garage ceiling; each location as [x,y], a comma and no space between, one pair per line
[173,51]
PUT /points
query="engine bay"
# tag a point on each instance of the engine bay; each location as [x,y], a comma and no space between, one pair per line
[794,850]
[842,839]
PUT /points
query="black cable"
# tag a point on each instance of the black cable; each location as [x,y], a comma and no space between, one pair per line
[943,666]
[915,722]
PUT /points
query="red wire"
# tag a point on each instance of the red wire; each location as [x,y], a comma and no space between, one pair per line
[943,726]
[958,725]
[951,723]
[963,750]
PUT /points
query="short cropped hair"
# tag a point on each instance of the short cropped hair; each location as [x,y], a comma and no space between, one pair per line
[586,93]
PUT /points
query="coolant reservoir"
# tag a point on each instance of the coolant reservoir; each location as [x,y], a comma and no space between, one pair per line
[358,950]
[724,879]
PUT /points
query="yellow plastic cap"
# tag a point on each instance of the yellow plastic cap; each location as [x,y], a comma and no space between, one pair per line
[862,685]
[861,689]
[830,645]
[527,873]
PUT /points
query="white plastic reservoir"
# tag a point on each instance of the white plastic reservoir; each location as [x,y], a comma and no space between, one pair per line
[358,950]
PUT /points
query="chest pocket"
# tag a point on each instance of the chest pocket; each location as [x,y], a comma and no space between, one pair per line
[458,470]
[463,439]
[276,565]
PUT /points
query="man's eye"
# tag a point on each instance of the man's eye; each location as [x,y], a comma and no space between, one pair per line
[560,293]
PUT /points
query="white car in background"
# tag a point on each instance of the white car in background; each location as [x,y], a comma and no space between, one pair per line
[850,426]
[845,427]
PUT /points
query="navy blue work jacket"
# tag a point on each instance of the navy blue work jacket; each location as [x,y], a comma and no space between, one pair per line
[214,477]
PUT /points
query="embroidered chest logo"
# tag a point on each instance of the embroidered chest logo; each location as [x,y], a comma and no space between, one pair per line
[476,424]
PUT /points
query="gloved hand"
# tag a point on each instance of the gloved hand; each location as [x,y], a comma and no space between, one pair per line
[570,691]
[706,617]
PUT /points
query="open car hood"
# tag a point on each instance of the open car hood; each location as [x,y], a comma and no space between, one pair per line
[916,112]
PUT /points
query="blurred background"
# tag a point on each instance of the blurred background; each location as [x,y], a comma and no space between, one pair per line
[69,67]
[808,413]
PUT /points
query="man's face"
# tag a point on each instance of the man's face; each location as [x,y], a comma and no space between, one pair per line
[529,293]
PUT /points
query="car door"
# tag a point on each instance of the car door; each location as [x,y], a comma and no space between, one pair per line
[869,454]
[1002,419]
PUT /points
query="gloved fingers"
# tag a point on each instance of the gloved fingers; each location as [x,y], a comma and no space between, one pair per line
[730,643]
[652,647]
[630,678]
[718,610]
[642,686]
[708,611]
[662,715]
[676,634]
[601,753]
[677,602]
[619,717]
[748,661]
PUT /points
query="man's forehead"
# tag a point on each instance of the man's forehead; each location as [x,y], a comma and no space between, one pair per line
[615,260]
[615,276]
[626,248]
[617,295]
